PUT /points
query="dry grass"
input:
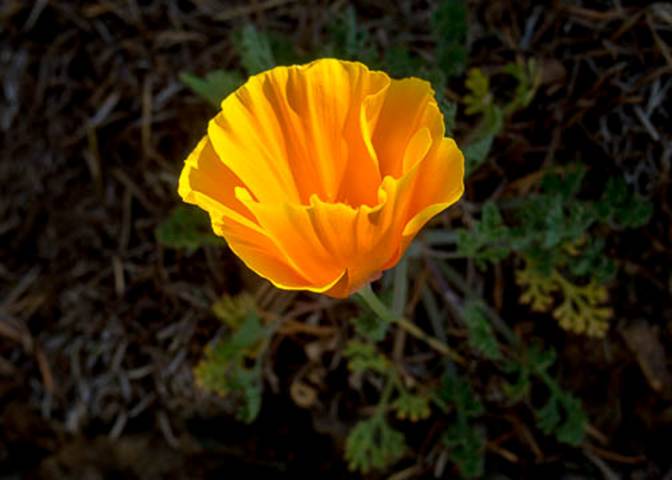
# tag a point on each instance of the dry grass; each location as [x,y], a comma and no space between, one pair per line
[100,327]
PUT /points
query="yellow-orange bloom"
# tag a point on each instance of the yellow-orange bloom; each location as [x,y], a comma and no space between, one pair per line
[319,176]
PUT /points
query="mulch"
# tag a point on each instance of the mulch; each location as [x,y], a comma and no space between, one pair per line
[100,326]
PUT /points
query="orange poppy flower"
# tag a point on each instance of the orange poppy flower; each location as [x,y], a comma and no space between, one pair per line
[319,176]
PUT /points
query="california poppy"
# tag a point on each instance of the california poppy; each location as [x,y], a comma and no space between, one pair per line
[319,176]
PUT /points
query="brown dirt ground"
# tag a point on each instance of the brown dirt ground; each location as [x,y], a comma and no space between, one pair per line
[100,326]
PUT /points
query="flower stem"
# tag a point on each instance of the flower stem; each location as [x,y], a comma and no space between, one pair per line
[380,309]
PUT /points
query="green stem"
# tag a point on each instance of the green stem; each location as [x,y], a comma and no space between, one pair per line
[385,396]
[375,304]
[380,309]
[387,391]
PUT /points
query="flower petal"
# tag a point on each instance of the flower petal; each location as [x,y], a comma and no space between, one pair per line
[249,139]
[358,239]
[417,148]
[289,227]
[364,240]
[292,132]
[262,256]
[208,183]
[319,176]
[409,105]
[431,196]
[327,97]
[205,181]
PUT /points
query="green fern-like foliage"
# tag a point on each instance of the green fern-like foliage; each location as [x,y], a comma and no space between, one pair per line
[481,101]
[371,326]
[620,208]
[466,444]
[232,311]
[413,407]
[527,77]
[449,29]
[538,289]
[367,323]
[581,309]
[457,391]
[215,86]
[463,438]
[481,337]
[561,415]
[231,367]
[373,445]
[254,49]
[488,241]
[364,357]
[564,268]
[186,228]
[349,40]
[256,55]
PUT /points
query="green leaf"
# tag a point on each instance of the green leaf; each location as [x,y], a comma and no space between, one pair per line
[365,357]
[520,387]
[540,359]
[254,49]
[538,288]
[477,151]
[479,99]
[186,228]
[563,417]
[249,334]
[458,391]
[465,441]
[368,324]
[215,86]
[349,41]
[411,407]
[247,383]
[535,360]
[232,311]
[285,51]
[400,62]
[371,326]
[566,185]
[621,207]
[488,241]
[527,78]
[467,448]
[352,36]
[449,29]
[548,417]
[373,444]
[231,367]
[234,348]
[573,429]
[481,336]
[491,219]
[554,223]
[592,261]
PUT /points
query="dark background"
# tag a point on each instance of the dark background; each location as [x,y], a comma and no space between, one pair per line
[100,326]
